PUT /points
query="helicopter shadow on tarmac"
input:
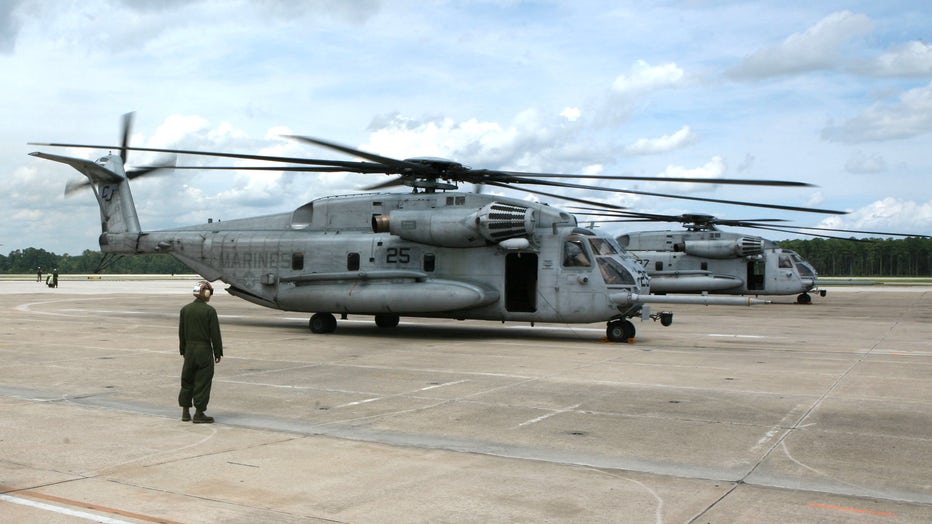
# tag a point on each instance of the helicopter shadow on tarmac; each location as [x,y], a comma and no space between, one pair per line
[423,331]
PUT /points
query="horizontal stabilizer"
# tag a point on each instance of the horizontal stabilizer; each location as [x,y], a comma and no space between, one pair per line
[88,168]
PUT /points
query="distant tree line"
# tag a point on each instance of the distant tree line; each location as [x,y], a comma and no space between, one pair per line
[905,257]
[30,259]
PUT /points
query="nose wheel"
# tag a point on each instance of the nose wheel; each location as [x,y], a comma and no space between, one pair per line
[621,330]
[803,298]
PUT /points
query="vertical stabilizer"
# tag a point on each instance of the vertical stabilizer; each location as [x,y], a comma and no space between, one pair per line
[109,182]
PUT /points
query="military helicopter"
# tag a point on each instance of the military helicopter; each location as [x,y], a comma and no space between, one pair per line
[435,252]
[704,259]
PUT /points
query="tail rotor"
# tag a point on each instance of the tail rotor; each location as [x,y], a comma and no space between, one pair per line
[131,173]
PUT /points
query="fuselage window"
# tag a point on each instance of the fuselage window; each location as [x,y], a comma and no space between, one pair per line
[574,254]
[704,266]
[658,265]
[352,261]
[297,261]
[430,262]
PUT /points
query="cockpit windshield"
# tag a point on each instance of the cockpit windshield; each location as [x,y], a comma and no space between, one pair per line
[613,273]
[803,267]
[602,246]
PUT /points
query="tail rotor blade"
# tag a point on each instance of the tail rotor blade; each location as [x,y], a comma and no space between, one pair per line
[127,129]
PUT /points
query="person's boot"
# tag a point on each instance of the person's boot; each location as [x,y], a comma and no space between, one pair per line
[185,414]
[201,418]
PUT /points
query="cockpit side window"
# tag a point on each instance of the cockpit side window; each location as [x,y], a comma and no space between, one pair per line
[574,253]
[784,262]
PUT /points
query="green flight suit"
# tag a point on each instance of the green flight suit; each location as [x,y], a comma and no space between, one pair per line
[200,343]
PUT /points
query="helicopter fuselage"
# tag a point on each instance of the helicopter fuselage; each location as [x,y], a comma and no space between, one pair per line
[719,262]
[450,255]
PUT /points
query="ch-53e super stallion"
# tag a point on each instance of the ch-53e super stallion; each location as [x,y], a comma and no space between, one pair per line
[704,259]
[434,252]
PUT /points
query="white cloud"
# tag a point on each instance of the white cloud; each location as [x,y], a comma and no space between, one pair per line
[817,48]
[909,59]
[175,128]
[571,113]
[644,78]
[861,163]
[9,25]
[886,215]
[911,117]
[650,146]
[714,168]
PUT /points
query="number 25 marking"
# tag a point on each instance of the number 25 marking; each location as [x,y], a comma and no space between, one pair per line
[398,255]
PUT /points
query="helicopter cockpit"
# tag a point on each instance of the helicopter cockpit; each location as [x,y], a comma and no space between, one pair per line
[804,268]
[583,245]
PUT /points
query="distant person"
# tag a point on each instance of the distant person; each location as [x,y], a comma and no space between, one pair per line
[39,274]
[201,346]
[54,278]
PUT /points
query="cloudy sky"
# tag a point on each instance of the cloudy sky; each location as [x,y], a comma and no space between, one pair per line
[837,94]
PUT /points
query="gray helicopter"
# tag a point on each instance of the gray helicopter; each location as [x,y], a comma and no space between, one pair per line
[704,259]
[434,252]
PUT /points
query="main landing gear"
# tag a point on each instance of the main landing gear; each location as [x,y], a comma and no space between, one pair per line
[327,323]
[803,298]
[323,323]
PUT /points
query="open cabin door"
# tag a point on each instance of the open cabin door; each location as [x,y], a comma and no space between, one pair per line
[521,282]
[756,275]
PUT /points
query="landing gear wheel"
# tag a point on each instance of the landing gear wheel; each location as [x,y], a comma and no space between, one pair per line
[803,298]
[619,330]
[322,323]
[386,320]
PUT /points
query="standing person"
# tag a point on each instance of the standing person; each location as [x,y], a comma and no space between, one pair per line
[39,274]
[55,277]
[201,346]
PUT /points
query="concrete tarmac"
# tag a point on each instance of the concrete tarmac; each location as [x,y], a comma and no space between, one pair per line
[776,413]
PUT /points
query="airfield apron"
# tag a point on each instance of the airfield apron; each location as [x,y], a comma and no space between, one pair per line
[200,343]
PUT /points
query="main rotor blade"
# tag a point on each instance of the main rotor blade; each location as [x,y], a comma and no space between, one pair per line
[552,195]
[811,234]
[320,169]
[398,181]
[402,166]
[698,199]
[884,233]
[356,167]
[724,181]
[694,218]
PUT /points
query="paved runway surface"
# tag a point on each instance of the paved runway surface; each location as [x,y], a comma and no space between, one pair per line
[778,413]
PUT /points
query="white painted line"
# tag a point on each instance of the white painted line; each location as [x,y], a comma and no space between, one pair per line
[62,511]
[548,415]
[734,336]
[366,401]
